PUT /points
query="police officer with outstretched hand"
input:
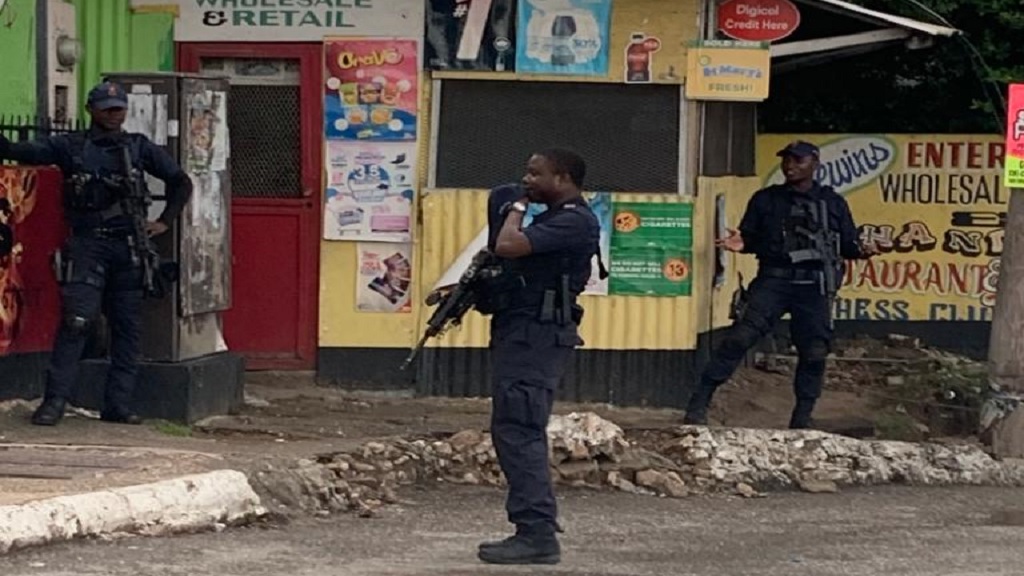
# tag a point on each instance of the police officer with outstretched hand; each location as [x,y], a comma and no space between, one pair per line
[99,265]
[800,233]
[534,331]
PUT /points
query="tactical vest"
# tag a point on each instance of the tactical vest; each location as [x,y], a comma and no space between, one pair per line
[96,183]
[523,283]
[802,222]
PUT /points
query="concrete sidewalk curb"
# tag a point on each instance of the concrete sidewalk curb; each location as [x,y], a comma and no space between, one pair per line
[188,503]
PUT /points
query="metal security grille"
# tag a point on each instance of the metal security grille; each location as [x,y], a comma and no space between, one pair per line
[730,139]
[628,134]
[265,141]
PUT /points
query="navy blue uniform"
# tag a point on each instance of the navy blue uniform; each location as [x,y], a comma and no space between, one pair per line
[98,270]
[529,353]
[782,286]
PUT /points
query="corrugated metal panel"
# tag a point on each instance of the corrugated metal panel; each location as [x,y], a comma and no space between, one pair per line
[661,378]
[639,350]
[452,218]
[104,29]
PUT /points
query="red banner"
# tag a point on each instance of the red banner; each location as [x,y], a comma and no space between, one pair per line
[31,229]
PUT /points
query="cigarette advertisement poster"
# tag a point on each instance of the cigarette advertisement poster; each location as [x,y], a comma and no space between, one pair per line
[370,190]
[371,89]
[651,249]
[384,281]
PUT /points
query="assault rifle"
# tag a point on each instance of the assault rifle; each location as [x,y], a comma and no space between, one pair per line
[825,249]
[453,304]
[135,205]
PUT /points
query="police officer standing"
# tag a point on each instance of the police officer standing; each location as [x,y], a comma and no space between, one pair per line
[779,224]
[533,333]
[98,265]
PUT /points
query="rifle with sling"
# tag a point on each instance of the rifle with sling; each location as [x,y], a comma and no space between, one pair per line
[453,304]
[135,204]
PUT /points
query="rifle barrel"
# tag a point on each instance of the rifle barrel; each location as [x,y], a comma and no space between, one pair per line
[414,352]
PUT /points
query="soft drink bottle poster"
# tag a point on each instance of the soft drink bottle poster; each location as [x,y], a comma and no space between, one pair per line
[563,37]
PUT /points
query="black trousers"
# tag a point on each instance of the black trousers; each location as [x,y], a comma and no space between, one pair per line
[810,329]
[528,359]
[102,277]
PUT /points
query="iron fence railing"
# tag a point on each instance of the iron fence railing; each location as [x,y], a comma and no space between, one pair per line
[25,128]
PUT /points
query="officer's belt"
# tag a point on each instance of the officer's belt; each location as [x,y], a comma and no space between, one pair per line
[791,274]
[119,232]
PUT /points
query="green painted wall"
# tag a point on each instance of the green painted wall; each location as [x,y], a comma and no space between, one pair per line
[18,58]
[116,40]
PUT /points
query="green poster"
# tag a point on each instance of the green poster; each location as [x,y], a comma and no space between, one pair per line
[650,271]
[652,225]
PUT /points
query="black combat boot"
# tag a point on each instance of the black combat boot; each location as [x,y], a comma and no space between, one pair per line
[700,401]
[49,412]
[801,417]
[539,546]
[120,416]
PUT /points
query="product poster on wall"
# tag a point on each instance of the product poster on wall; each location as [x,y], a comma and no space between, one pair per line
[639,59]
[567,37]
[601,204]
[651,249]
[384,281]
[371,89]
[369,190]
[471,35]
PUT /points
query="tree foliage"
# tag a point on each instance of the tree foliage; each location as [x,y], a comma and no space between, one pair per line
[956,86]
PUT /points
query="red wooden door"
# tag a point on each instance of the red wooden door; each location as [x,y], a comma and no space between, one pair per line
[275,119]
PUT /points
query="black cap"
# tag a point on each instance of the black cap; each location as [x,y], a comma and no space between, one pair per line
[799,148]
[107,95]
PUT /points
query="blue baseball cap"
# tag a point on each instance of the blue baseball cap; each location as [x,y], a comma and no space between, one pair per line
[798,148]
[107,95]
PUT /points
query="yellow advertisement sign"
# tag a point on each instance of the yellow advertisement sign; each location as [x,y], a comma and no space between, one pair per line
[728,70]
[935,205]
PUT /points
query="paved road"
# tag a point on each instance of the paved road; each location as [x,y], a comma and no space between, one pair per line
[904,531]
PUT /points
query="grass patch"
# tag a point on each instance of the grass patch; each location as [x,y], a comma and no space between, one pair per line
[172,428]
[891,425]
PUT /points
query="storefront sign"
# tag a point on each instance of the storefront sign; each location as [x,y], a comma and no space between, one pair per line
[291,20]
[566,38]
[934,205]
[726,70]
[758,20]
[1015,138]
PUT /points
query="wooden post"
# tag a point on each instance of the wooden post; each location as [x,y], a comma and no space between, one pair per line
[1006,344]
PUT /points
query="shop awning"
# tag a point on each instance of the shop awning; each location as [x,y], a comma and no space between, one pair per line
[888,29]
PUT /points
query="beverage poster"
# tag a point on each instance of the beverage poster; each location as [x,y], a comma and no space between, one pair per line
[639,59]
[471,35]
[384,281]
[563,37]
[370,188]
[371,89]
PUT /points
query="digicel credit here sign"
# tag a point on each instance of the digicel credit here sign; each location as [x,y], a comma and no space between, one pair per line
[758,20]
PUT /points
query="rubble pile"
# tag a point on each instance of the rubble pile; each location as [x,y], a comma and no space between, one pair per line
[588,451]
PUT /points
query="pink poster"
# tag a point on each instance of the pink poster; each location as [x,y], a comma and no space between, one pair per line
[371,89]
